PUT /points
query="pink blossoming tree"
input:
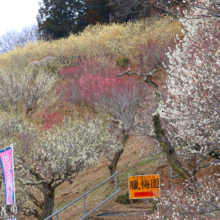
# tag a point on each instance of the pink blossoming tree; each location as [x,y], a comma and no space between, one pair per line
[95,85]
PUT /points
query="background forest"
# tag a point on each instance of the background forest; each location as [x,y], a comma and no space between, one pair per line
[88,80]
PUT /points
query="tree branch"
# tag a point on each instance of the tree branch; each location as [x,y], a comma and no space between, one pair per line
[30,212]
[33,183]
[150,74]
[159,132]
[39,176]
[60,181]
[39,204]
[195,170]
[215,154]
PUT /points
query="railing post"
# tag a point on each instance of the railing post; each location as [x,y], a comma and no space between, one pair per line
[171,176]
[84,199]
[56,214]
[158,210]
[116,185]
[84,204]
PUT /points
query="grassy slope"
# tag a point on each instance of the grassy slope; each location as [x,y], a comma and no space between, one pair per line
[132,162]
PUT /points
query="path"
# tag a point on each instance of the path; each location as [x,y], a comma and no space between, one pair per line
[117,211]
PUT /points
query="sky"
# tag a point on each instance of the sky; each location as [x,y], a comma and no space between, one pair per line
[17,14]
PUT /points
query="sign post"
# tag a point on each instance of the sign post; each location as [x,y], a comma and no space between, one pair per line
[143,187]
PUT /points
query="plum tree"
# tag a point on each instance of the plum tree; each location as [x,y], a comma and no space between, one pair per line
[44,159]
[96,86]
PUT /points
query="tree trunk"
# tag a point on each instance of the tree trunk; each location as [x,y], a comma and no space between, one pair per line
[159,132]
[48,204]
[166,145]
[161,138]
[112,167]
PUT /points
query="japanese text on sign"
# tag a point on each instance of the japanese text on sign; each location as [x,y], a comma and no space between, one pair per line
[10,211]
[147,186]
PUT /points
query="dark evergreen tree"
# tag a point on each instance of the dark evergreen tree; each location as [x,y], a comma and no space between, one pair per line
[125,10]
[58,18]
[98,11]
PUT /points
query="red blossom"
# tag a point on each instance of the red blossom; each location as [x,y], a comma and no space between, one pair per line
[48,119]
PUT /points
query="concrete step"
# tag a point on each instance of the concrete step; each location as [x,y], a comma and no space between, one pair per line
[116,211]
[118,216]
[129,208]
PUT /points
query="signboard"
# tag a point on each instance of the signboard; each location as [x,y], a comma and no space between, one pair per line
[7,164]
[141,187]
[10,211]
[6,158]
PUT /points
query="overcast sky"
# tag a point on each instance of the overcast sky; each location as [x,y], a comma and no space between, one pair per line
[17,14]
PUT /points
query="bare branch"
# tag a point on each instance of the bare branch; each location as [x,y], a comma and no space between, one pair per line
[215,154]
[150,74]
[39,176]
[159,132]
[12,39]
[31,212]
[36,201]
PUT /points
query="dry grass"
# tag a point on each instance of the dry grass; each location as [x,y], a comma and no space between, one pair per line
[132,162]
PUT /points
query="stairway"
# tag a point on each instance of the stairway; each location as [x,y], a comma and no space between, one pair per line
[118,211]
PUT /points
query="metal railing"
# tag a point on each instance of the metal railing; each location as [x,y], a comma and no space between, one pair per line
[172,177]
[84,199]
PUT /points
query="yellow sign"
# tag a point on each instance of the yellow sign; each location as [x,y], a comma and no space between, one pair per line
[141,187]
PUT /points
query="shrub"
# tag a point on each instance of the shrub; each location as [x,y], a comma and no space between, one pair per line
[24,91]
[122,62]
[131,41]
[48,119]
[123,199]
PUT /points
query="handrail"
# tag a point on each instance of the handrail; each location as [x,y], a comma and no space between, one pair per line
[99,205]
[84,196]
[171,171]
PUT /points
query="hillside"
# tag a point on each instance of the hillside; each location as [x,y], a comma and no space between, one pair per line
[141,156]
[137,97]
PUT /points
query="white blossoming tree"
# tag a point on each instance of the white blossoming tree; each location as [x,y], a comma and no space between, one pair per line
[206,8]
[24,91]
[193,86]
[191,114]
[192,96]
[200,202]
[44,159]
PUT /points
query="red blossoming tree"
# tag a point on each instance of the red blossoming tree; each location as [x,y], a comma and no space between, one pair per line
[95,85]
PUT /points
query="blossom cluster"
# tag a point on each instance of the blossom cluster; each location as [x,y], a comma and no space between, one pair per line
[96,85]
[193,86]
[24,90]
[44,159]
[200,200]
